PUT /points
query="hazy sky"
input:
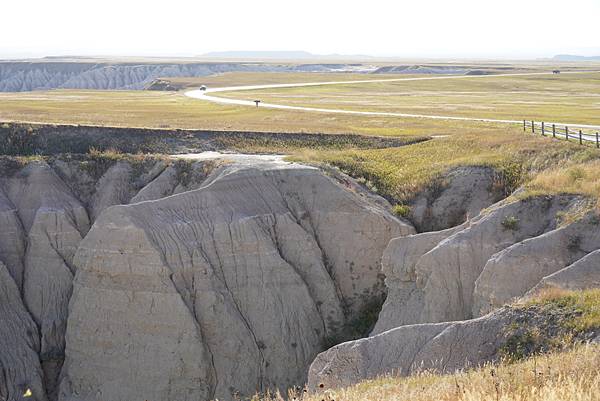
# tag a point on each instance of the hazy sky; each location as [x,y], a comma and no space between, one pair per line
[414,28]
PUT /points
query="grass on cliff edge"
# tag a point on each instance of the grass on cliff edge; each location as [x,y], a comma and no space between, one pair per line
[571,374]
[400,173]
[561,376]
[585,304]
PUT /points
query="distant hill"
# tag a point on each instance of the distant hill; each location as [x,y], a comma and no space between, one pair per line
[570,57]
[278,55]
[261,54]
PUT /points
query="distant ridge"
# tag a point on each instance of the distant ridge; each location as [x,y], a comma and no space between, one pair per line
[571,57]
[280,55]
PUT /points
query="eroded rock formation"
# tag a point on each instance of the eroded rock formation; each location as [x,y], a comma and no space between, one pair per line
[262,264]
[435,280]
[212,281]
[440,283]
[455,197]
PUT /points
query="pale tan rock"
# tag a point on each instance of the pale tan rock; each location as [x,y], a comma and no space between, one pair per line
[130,336]
[254,271]
[12,240]
[55,222]
[180,176]
[20,368]
[114,188]
[404,301]
[442,347]
[161,186]
[440,285]
[581,275]
[456,197]
[456,265]
[511,273]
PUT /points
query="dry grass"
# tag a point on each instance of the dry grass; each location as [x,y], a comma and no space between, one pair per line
[569,372]
[261,78]
[586,303]
[400,173]
[582,178]
[561,376]
[396,173]
[569,98]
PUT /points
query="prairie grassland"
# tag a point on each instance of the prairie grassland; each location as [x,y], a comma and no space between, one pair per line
[568,98]
[153,109]
[396,173]
[400,173]
[580,178]
[261,78]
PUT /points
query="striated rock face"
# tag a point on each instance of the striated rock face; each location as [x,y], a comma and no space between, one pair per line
[54,222]
[217,279]
[581,275]
[243,279]
[405,298]
[444,347]
[27,76]
[439,279]
[514,271]
[435,280]
[439,347]
[44,213]
[12,240]
[19,345]
[174,280]
[456,197]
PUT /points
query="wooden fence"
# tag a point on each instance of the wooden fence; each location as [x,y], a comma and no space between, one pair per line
[562,132]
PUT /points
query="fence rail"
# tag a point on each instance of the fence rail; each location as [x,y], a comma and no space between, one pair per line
[562,132]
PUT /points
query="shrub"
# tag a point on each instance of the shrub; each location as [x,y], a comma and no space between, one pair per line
[510,223]
[401,210]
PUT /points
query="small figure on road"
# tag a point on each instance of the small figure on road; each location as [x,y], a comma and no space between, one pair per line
[257,102]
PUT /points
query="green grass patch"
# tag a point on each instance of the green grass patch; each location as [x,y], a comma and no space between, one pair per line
[554,320]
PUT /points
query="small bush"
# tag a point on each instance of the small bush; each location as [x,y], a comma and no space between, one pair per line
[401,210]
[510,223]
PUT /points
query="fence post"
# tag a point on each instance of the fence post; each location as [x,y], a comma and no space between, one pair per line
[543,130]
[553,130]
[533,126]
[524,125]
[566,133]
[580,139]
[597,140]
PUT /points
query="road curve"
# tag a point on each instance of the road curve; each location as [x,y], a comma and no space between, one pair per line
[206,95]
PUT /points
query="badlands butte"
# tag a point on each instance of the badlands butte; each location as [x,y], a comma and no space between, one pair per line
[211,275]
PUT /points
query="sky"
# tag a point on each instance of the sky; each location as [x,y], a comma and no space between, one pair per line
[414,28]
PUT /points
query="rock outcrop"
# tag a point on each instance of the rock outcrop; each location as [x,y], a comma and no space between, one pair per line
[445,347]
[517,269]
[435,280]
[20,368]
[45,211]
[54,222]
[455,197]
[43,75]
[12,240]
[210,264]
[405,298]
[441,283]
[261,264]
[581,275]
[142,278]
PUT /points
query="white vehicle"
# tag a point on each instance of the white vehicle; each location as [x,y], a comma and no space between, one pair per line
[203,88]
